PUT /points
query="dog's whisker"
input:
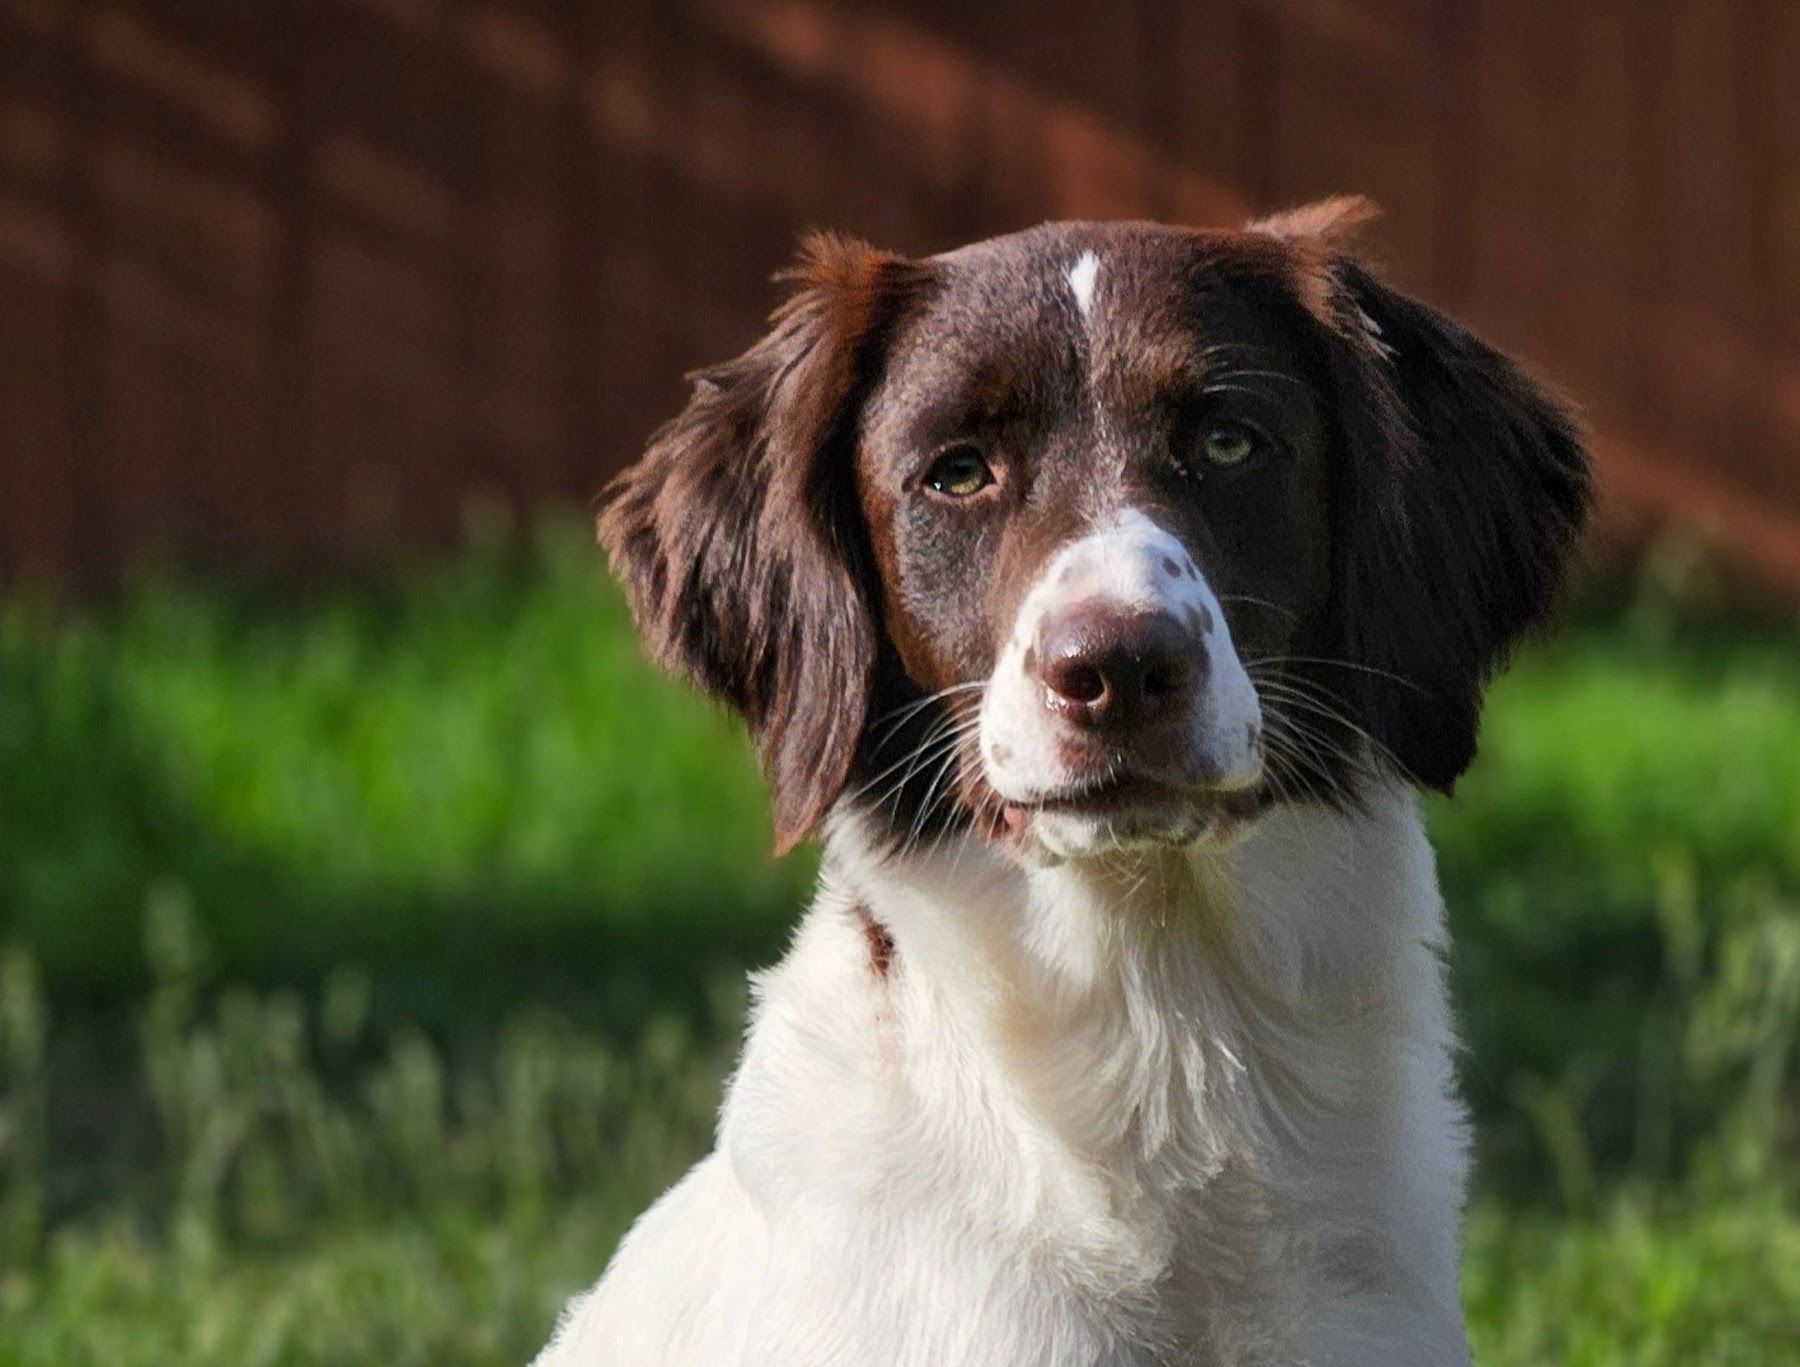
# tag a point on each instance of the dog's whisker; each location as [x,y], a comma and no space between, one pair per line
[1289,695]
[1254,601]
[1297,757]
[1226,387]
[931,799]
[944,731]
[1311,745]
[894,719]
[1307,735]
[1238,373]
[1333,663]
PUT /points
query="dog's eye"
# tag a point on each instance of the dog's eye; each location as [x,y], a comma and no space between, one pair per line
[959,471]
[1228,445]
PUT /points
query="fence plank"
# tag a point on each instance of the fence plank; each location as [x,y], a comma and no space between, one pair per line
[40,487]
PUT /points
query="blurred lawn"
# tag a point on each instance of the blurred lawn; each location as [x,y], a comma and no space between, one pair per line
[362,983]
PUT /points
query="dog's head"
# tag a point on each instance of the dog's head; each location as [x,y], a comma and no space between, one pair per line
[1100,533]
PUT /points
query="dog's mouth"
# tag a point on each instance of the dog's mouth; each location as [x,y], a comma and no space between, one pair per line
[1138,806]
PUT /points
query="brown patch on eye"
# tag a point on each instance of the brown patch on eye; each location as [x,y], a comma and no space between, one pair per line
[879,940]
[912,636]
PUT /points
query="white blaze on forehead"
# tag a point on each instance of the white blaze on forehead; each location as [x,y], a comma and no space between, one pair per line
[1082,277]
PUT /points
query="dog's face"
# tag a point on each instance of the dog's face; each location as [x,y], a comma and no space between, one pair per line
[1100,534]
[1095,482]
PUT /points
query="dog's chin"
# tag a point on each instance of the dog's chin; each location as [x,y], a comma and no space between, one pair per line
[1099,820]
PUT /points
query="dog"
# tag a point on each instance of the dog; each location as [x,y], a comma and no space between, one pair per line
[1103,595]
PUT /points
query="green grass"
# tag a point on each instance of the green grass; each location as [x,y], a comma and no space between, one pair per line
[471,767]
[363,982]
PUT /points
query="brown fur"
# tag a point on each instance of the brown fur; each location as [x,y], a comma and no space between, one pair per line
[879,940]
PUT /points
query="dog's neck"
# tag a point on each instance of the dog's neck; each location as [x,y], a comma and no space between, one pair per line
[1129,992]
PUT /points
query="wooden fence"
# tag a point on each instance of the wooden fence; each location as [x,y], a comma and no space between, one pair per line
[293,281]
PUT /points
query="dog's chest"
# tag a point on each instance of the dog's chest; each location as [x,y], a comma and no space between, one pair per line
[1044,1257]
[1100,1193]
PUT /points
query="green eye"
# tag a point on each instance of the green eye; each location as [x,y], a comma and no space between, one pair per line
[1228,446]
[959,471]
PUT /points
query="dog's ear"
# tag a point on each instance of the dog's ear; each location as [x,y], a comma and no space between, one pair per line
[737,535]
[1459,498]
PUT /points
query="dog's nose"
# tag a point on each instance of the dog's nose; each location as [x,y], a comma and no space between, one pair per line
[1106,666]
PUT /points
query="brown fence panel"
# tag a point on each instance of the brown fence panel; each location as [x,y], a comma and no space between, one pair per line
[299,284]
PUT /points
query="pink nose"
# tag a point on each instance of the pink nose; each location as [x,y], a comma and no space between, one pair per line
[1112,668]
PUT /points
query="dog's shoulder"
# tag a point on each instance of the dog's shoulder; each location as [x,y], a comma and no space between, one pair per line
[663,1297]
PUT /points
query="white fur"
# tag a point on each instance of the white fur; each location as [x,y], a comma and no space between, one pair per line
[1188,1105]
[1082,277]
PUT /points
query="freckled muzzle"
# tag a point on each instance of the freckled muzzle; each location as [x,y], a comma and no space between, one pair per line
[1119,709]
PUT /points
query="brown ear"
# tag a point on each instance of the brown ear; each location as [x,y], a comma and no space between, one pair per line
[737,538]
[1460,494]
